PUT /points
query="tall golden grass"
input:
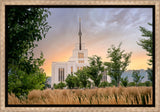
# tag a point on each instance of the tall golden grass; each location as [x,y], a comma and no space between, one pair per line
[108,95]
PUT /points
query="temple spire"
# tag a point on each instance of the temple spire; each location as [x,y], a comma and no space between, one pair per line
[80,34]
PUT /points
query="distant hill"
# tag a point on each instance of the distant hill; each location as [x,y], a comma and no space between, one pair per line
[130,78]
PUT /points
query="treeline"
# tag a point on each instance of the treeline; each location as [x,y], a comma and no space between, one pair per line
[92,74]
[103,84]
[81,79]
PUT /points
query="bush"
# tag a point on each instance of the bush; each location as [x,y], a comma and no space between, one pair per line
[110,85]
[141,84]
[104,84]
[124,81]
[137,78]
[148,83]
[20,83]
[82,77]
[113,82]
[60,85]
[72,81]
[132,84]
[89,84]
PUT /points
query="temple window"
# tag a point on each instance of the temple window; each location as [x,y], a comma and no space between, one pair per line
[71,69]
[61,74]
[80,61]
[80,55]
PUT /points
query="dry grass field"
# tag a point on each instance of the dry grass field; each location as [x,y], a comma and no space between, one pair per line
[108,95]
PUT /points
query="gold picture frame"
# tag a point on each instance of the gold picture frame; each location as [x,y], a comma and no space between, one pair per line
[156,3]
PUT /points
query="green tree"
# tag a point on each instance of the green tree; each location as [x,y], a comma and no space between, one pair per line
[72,81]
[89,84]
[95,69]
[119,60]
[141,84]
[104,84]
[124,81]
[131,84]
[21,83]
[25,27]
[60,85]
[82,76]
[147,44]
[148,83]
[137,78]
[113,82]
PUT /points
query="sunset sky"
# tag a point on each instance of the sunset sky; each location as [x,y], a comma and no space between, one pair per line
[101,27]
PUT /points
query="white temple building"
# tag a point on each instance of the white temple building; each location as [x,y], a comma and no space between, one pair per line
[78,60]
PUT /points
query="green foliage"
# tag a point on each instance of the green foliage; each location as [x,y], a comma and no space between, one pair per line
[119,60]
[150,74]
[110,85]
[25,27]
[46,83]
[80,79]
[137,78]
[141,84]
[148,83]
[20,83]
[82,76]
[124,81]
[113,82]
[147,44]
[95,69]
[60,85]
[104,84]
[72,81]
[131,84]
[89,84]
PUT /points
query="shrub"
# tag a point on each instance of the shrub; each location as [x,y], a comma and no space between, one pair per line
[82,77]
[148,83]
[137,78]
[104,84]
[132,84]
[60,85]
[141,84]
[124,81]
[72,81]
